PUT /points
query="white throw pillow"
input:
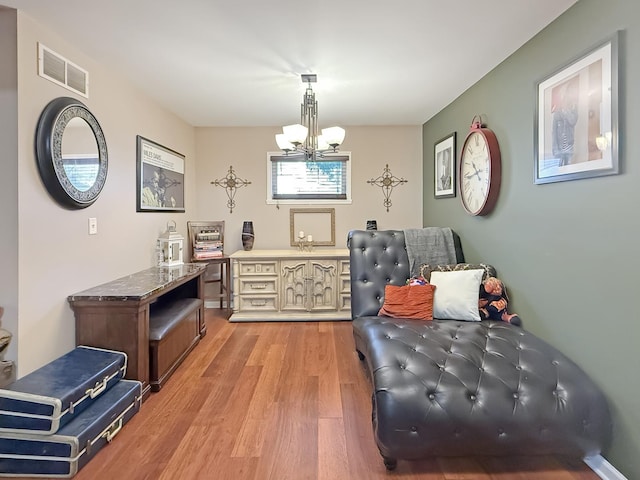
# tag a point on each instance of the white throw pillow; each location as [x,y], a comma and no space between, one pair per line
[457,293]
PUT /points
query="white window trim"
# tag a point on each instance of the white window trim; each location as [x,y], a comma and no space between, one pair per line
[271,201]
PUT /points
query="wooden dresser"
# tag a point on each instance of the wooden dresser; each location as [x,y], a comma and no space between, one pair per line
[116,315]
[287,285]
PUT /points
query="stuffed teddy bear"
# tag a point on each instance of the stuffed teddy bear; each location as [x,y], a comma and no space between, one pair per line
[493,302]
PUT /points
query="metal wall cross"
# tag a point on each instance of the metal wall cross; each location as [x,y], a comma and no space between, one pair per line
[231,183]
[387,181]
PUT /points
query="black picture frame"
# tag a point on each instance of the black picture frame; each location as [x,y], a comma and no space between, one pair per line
[444,167]
[576,117]
[159,177]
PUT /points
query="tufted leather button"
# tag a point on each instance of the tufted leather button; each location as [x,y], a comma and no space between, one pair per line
[403,366]
[555,362]
[516,396]
[500,431]
[414,429]
[472,397]
[365,280]
[431,396]
[441,367]
[518,367]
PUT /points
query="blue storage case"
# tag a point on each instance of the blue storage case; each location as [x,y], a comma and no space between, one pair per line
[63,454]
[48,398]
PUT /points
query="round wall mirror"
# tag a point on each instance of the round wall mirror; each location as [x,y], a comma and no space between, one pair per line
[71,152]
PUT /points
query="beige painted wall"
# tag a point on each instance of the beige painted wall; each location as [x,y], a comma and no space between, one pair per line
[246,150]
[9,176]
[57,257]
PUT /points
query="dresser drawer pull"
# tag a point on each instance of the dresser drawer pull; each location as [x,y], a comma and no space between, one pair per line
[258,286]
[258,303]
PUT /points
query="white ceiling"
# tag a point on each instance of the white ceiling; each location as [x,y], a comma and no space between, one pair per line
[238,63]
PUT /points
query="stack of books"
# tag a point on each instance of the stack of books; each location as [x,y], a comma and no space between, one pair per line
[208,244]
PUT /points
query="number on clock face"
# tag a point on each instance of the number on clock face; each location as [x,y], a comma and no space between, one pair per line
[475,171]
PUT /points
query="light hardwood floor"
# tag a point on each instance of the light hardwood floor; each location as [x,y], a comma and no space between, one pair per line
[279,401]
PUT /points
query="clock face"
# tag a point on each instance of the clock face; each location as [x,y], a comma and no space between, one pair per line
[475,173]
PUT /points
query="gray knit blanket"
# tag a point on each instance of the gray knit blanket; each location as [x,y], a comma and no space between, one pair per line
[432,245]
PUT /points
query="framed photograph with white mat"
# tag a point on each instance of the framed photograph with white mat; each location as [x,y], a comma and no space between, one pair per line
[576,119]
[444,167]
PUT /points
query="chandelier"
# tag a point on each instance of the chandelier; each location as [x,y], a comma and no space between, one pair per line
[303,138]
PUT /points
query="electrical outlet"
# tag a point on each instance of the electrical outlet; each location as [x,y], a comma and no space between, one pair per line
[93,226]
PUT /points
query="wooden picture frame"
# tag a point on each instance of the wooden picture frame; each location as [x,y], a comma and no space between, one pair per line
[444,167]
[576,119]
[159,178]
[320,223]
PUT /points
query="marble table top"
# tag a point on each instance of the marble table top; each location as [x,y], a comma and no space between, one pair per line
[140,285]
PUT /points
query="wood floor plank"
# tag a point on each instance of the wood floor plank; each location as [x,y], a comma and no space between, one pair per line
[330,401]
[332,448]
[261,406]
[278,401]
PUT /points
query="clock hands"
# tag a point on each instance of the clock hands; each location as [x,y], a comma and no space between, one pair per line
[474,174]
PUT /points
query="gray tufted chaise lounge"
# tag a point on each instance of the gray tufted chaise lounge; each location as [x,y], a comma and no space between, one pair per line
[455,388]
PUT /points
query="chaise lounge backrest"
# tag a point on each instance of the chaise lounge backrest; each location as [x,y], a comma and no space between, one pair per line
[378,258]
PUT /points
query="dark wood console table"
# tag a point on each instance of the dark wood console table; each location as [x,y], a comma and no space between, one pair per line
[115,315]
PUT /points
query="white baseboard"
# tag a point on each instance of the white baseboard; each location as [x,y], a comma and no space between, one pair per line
[602,468]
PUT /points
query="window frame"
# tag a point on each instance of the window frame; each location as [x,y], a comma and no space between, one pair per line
[308,201]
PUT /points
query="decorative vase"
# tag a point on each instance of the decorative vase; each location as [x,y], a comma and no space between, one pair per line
[247,235]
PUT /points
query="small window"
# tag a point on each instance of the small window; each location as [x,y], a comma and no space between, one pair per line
[293,179]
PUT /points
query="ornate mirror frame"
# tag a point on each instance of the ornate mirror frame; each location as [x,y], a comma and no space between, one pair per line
[51,125]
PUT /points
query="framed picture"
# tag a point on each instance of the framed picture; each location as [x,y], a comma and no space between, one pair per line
[159,178]
[576,124]
[317,223]
[444,167]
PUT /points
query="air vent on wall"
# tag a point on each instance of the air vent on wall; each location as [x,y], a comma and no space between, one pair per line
[58,69]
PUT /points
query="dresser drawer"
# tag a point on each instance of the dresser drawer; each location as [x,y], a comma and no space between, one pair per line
[344,268]
[258,267]
[261,303]
[258,285]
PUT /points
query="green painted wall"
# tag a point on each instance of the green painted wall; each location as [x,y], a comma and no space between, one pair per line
[567,250]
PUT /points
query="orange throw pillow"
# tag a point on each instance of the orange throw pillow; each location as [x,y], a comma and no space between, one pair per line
[408,301]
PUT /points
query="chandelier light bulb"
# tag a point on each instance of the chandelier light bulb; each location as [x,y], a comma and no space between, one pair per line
[334,136]
[284,144]
[295,134]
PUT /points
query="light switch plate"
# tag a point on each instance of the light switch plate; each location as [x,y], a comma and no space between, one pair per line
[93,226]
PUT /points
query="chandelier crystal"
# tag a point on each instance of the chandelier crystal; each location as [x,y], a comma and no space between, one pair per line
[303,138]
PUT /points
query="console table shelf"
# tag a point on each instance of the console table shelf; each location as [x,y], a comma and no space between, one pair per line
[291,285]
[115,315]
